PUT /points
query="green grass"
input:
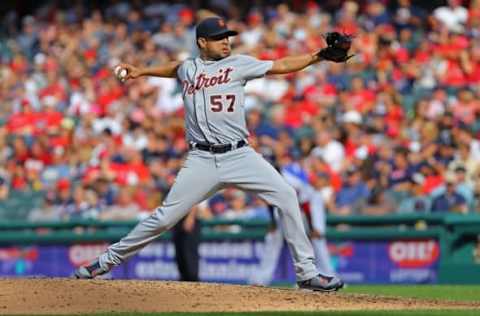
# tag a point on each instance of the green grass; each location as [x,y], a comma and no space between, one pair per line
[443,292]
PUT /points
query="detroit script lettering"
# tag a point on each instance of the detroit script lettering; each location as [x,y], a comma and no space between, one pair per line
[203,81]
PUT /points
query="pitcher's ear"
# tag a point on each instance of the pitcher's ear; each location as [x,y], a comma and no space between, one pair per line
[201,42]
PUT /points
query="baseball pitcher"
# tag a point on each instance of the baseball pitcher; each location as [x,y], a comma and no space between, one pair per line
[213,94]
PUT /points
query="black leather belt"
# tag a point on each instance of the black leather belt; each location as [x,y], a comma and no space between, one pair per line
[218,149]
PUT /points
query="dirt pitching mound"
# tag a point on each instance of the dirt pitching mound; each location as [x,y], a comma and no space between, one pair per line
[68,296]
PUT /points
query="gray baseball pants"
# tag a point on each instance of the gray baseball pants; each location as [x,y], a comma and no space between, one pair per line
[204,173]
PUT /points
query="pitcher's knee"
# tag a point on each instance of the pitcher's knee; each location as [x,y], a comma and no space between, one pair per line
[166,219]
[159,219]
[287,196]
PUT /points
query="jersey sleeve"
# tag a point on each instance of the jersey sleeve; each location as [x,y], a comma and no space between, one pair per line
[252,68]
[181,72]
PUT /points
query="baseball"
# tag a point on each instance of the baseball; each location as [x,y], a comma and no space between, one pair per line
[120,72]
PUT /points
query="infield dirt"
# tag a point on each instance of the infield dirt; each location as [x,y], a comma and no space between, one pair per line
[68,296]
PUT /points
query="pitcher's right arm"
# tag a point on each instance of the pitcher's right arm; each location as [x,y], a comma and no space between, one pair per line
[168,70]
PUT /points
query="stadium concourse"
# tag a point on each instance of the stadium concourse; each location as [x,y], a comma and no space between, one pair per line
[394,130]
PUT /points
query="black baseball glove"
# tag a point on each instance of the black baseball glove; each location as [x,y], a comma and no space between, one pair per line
[337,48]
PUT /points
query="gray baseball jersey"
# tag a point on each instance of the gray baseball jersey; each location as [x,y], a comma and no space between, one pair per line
[214,96]
[213,93]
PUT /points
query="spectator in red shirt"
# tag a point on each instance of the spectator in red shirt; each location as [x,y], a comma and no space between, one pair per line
[19,180]
[23,122]
[40,153]
[55,86]
[21,152]
[466,107]
[360,98]
[472,64]
[49,120]
[432,179]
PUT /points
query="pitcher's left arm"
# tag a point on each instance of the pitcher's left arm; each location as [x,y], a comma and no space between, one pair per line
[336,50]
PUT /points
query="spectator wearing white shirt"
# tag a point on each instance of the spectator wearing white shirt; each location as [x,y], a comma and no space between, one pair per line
[330,150]
[454,16]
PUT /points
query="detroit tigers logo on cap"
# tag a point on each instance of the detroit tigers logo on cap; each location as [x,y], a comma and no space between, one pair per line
[213,27]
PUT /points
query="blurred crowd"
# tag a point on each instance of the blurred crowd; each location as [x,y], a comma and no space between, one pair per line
[394,130]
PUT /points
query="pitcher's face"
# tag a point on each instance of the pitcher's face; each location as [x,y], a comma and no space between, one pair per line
[215,48]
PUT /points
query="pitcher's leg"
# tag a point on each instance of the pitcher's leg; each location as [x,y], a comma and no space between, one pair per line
[197,180]
[323,256]
[251,172]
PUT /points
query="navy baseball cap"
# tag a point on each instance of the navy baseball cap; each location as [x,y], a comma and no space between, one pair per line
[214,28]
